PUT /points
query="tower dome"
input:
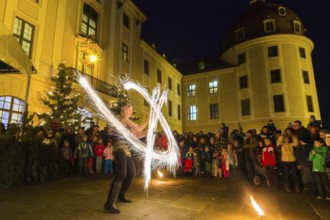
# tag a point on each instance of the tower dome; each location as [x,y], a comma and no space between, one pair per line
[263,19]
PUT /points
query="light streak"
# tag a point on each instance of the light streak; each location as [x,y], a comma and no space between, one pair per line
[152,159]
[257,207]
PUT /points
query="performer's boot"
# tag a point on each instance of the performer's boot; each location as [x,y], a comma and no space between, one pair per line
[122,194]
[110,203]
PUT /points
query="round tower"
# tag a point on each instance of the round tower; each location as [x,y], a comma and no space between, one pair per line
[275,77]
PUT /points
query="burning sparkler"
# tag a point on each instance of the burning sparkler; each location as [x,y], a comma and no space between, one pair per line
[153,159]
[257,207]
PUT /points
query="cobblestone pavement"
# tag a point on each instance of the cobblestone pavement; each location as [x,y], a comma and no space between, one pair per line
[82,197]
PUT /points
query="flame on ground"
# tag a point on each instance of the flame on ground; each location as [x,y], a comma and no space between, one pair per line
[160,174]
[257,207]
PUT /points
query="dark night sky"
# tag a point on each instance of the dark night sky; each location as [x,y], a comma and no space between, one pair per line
[191,30]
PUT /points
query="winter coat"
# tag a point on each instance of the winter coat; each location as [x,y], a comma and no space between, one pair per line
[318,160]
[107,153]
[84,150]
[98,149]
[287,149]
[302,155]
[268,157]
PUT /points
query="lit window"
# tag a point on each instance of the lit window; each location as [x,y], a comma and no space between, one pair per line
[146,66]
[191,90]
[126,20]
[11,110]
[272,51]
[24,32]
[240,34]
[169,108]
[275,76]
[278,103]
[179,112]
[192,116]
[241,58]
[125,52]
[89,21]
[178,88]
[302,52]
[214,111]
[269,25]
[84,65]
[297,27]
[159,76]
[169,83]
[310,106]
[243,82]
[305,77]
[213,87]
[245,103]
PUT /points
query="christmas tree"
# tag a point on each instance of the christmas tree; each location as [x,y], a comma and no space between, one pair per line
[62,101]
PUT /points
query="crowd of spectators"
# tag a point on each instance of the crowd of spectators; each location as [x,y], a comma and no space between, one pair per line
[297,159]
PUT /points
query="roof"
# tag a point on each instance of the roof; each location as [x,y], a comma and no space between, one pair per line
[252,21]
[203,66]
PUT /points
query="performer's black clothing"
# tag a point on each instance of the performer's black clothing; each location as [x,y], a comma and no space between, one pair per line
[125,171]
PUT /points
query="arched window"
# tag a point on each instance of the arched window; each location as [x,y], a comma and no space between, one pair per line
[87,116]
[11,110]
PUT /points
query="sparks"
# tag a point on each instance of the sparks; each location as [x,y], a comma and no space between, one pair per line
[152,159]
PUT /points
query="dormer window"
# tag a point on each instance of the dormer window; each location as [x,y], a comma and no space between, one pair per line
[281,11]
[269,25]
[240,34]
[201,66]
[297,27]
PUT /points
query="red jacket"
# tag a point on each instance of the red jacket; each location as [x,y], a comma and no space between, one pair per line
[268,156]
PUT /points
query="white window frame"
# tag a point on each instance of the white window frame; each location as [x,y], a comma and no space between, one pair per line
[213,87]
[192,113]
[267,21]
[191,90]
[240,37]
[294,23]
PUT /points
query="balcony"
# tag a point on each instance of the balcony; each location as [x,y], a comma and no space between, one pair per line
[100,85]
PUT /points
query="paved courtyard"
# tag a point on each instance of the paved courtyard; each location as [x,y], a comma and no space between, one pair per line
[82,197]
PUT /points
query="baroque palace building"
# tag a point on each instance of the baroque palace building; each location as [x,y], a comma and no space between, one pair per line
[266,72]
[70,31]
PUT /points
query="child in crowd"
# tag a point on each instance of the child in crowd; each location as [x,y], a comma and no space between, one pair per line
[231,162]
[268,161]
[287,145]
[223,159]
[215,163]
[98,149]
[82,153]
[108,157]
[197,164]
[188,166]
[317,156]
[67,155]
[327,158]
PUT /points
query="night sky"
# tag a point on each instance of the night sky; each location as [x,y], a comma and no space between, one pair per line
[192,30]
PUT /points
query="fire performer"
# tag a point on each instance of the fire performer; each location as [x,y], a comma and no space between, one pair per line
[125,169]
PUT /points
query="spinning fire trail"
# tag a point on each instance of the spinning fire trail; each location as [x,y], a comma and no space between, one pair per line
[152,159]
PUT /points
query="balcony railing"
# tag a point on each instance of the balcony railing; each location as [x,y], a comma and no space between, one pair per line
[100,85]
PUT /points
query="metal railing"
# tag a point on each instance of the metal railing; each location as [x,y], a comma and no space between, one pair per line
[99,85]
